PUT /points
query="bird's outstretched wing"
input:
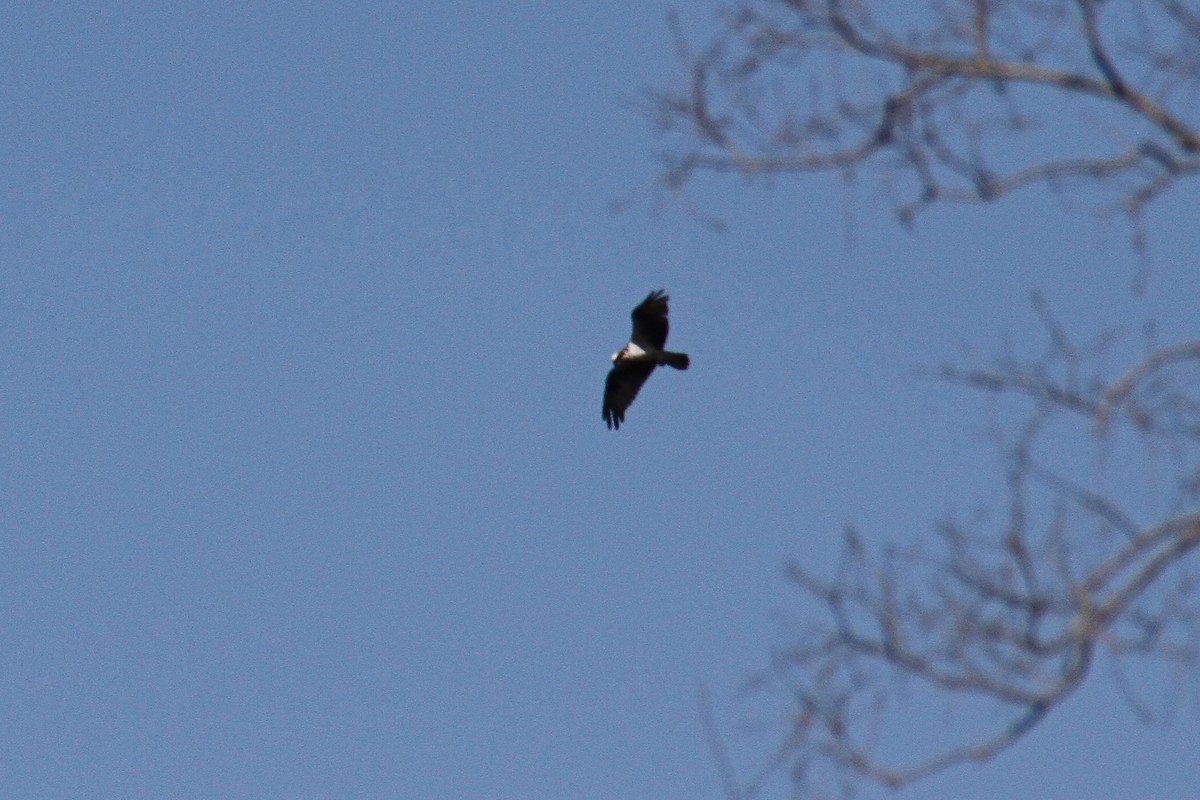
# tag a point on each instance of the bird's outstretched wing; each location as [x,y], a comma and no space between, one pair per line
[624,381]
[650,322]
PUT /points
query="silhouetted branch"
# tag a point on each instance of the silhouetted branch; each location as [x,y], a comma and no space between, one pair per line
[928,96]
[1007,618]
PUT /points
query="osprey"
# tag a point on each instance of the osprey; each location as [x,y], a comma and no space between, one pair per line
[634,362]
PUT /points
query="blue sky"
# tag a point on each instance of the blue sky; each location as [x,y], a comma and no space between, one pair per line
[304,490]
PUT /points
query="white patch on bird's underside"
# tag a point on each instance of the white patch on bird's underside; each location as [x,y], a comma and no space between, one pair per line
[630,350]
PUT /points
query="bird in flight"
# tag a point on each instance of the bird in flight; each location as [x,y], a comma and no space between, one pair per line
[634,362]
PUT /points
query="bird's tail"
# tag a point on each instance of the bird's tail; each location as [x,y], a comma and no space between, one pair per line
[676,360]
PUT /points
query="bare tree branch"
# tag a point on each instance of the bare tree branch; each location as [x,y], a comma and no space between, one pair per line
[1120,390]
[1010,619]
[969,101]
[938,103]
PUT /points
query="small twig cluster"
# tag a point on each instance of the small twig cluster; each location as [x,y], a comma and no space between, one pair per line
[1014,615]
[951,98]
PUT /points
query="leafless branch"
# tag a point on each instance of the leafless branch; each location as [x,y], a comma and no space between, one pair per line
[729,782]
[935,98]
[1007,618]
[1123,388]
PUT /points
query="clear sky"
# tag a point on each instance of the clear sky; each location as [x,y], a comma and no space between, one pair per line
[305,312]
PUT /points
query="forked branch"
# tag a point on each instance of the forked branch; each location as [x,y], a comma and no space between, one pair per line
[936,98]
[1009,618]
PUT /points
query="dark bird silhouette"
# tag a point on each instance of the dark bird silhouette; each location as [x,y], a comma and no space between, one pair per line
[634,362]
